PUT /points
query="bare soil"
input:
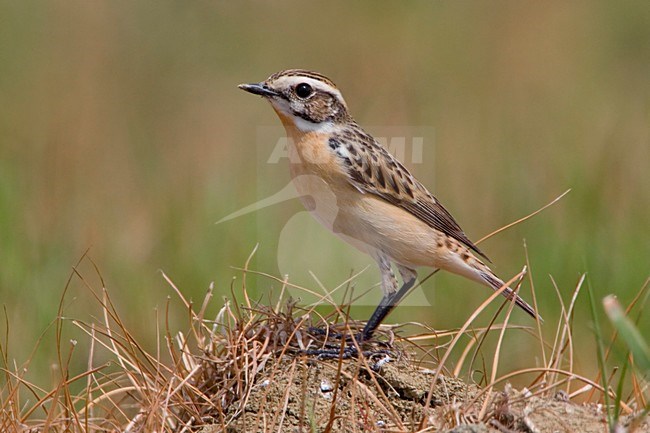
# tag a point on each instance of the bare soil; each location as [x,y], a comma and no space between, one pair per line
[307,395]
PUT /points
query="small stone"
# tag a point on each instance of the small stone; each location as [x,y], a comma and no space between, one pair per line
[326,386]
[377,366]
[561,395]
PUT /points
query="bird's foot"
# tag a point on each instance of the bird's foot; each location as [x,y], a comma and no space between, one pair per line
[324,332]
[343,345]
[329,334]
[377,356]
[347,352]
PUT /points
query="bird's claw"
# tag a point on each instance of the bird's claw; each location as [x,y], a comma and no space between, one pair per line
[327,332]
[359,337]
[354,345]
[348,352]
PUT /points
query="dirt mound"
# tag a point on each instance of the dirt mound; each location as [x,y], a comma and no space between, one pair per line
[305,395]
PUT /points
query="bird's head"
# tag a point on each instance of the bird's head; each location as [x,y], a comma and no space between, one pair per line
[309,100]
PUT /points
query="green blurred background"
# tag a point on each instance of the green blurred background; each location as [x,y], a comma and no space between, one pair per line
[122,131]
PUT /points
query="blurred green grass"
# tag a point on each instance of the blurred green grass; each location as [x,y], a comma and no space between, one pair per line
[122,132]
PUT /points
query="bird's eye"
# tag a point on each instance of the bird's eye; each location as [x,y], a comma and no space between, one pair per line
[304,90]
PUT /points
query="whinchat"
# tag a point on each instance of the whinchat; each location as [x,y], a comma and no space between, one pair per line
[357,189]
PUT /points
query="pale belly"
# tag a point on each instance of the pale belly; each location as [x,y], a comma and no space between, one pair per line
[389,229]
[368,222]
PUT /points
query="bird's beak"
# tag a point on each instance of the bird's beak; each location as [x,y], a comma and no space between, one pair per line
[259,89]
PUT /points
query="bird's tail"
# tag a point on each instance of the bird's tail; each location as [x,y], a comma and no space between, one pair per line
[494,282]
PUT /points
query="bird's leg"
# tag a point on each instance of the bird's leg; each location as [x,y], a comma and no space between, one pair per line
[392,296]
[388,302]
[407,274]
